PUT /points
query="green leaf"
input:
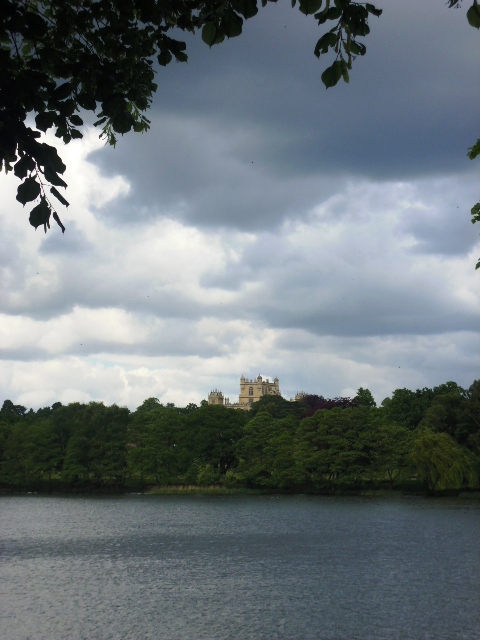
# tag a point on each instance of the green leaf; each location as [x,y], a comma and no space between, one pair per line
[473,16]
[114,104]
[327,40]
[45,120]
[28,191]
[52,159]
[76,120]
[86,101]
[53,178]
[357,48]
[62,91]
[59,196]
[209,33]
[309,7]
[164,57]
[23,166]
[76,134]
[246,8]
[67,107]
[334,13]
[332,75]
[345,75]
[181,56]
[58,221]
[373,10]
[122,122]
[322,16]
[36,27]
[40,214]
[232,25]
[474,150]
[99,122]
[475,211]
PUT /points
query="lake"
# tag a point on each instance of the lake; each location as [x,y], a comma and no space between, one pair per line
[239,567]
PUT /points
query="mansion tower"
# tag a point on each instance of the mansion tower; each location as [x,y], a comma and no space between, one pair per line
[250,391]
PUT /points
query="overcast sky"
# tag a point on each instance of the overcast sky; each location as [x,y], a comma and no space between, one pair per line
[263,225]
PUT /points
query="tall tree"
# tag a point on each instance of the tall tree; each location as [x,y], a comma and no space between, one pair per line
[96,449]
[266,452]
[153,445]
[336,448]
[364,398]
[442,463]
[210,436]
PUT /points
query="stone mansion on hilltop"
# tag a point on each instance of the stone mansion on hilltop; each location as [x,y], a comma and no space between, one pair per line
[250,391]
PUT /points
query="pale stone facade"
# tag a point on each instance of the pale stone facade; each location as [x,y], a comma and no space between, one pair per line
[250,392]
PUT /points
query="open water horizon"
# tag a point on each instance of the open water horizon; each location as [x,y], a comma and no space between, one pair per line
[141,567]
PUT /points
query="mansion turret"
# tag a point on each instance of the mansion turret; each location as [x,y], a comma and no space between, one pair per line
[250,391]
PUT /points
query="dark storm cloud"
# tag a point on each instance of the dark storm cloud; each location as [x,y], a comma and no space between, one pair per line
[359,308]
[206,174]
[236,127]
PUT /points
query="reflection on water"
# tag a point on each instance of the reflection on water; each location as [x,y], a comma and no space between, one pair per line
[192,567]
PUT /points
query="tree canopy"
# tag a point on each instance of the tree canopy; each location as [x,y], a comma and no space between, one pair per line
[428,440]
[58,59]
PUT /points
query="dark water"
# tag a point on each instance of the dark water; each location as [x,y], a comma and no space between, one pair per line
[205,568]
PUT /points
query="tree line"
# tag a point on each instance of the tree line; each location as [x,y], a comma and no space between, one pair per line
[423,440]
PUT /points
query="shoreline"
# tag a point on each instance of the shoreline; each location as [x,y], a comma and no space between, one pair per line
[213,490]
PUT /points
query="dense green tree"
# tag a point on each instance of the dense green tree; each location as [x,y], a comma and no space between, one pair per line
[153,445]
[88,446]
[16,471]
[254,465]
[210,436]
[96,449]
[408,408]
[444,413]
[364,398]
[9,409]
[277,407]
[442,463]
[150,404]
[468,428]
[5,433]
[391,445]
[31,454]
[266,452]
[45,412]
[336,447]
[45,449]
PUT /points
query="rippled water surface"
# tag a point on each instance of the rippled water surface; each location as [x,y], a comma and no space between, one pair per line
[205,568]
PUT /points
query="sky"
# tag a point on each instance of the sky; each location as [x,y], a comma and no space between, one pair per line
[264,225]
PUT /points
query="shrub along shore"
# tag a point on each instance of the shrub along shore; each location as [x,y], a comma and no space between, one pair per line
[423,441]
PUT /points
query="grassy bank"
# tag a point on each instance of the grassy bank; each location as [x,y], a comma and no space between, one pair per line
[200,490]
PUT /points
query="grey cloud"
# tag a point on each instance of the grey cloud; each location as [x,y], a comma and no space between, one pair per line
[445,228]
[196,176]
[24,354]
[242,133]
[344,297]
[72,242]
[403,113]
